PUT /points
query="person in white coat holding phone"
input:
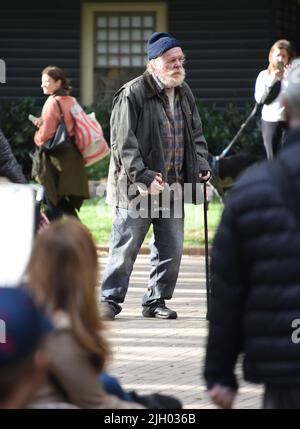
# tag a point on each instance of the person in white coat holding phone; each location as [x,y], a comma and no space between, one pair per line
[269,90]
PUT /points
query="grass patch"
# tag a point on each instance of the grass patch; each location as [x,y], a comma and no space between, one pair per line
[98,217]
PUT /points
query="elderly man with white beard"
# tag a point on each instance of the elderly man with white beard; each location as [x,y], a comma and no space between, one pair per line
[158,152]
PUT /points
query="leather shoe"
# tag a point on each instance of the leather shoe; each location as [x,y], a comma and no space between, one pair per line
[160,311]
[109,311]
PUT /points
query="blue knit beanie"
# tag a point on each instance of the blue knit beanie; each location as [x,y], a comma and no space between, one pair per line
[160,43]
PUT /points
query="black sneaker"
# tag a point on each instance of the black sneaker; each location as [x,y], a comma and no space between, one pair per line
[109,311]
[156,401]
[160,311]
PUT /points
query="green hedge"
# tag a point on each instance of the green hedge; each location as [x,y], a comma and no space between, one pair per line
[220,126]
[18,129]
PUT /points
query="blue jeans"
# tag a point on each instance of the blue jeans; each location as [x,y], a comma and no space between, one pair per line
[127,236]
[112,386]
[153,401]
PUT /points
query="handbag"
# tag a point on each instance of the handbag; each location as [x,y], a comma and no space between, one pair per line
[89,137]
[61,138]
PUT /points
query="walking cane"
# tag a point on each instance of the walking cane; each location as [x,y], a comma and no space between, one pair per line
[205,207]
[273,93]
[227,148]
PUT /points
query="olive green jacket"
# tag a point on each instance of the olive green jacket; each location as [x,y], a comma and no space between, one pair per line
[137,140]
[63,174]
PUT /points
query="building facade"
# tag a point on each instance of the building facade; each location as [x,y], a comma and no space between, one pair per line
[102,44]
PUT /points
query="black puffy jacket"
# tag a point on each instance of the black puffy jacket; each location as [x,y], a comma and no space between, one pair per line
[256,280]
[9,166]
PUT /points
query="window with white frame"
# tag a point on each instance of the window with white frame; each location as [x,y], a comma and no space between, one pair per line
[121,40]
[120,49]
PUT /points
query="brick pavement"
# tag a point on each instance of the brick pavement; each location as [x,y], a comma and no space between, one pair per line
[166,356]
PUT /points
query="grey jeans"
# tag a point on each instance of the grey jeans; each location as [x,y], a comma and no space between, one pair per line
[273,135]
[127,236]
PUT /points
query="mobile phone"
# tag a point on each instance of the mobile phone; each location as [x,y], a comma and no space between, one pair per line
[280,65]
[31,117]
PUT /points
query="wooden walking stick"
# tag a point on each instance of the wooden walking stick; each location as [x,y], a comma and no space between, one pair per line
[205,207]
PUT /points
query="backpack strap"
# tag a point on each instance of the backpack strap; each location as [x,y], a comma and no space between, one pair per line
[285,182]
[273,93]
[59,107]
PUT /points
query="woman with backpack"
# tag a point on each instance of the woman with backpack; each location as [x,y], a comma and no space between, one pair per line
[62,172]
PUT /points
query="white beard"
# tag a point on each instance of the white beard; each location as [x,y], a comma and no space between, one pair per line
[171,81]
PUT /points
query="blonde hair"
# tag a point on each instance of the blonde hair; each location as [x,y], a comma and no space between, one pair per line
[63,275]
[281,44]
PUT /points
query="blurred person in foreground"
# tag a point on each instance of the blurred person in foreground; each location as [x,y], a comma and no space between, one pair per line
[23,361]
[255,305]
[9,167]
[62,275]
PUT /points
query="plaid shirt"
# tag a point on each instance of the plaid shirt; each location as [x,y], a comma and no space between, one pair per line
[172,136]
